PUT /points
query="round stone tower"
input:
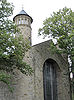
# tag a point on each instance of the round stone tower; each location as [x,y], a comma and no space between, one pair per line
[23,21]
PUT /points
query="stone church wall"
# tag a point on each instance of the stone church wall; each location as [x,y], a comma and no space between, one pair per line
[40,54]
[31,87]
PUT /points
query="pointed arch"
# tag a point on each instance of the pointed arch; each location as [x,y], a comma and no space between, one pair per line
[50,79]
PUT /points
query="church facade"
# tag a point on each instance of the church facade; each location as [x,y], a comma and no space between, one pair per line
[50,80]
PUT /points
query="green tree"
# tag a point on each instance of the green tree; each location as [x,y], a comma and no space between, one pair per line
[12,48]
[60,26]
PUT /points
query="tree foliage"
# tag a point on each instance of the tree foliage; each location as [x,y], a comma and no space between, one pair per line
[12,48]
[60,26]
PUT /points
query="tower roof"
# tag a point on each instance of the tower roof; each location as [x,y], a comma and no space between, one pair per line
[22,12]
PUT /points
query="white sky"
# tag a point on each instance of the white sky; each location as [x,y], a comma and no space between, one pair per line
[39,10]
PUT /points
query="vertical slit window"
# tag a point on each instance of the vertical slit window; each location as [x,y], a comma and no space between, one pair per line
[22,21]
[19,21]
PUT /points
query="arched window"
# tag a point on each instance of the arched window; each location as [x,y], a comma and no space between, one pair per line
[19,21]
[22,21]
[26,21]
[49,80]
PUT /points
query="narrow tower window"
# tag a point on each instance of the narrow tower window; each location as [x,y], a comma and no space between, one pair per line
[19,21]
[22,21]
[26,22]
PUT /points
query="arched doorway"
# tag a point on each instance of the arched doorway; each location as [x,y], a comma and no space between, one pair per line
[49,80]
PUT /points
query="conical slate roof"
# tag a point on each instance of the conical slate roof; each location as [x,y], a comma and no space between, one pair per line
[22,12]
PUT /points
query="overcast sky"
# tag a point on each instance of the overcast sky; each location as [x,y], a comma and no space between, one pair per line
[39,10]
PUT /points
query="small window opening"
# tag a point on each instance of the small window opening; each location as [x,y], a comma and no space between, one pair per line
[22,21]
[19,21]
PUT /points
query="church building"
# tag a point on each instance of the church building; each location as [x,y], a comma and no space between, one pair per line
[50,80]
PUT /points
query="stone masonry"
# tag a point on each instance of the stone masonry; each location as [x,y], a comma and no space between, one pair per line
[31,87]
